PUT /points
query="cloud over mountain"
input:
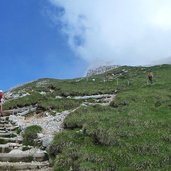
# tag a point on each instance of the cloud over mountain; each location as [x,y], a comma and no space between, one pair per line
[116,31]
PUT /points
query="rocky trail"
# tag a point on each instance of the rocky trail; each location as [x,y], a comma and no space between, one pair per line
[16,156]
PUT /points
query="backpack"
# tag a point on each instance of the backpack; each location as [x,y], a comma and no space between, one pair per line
[1,95]
[150,74]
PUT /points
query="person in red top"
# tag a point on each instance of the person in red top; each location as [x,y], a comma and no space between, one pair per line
[1,101]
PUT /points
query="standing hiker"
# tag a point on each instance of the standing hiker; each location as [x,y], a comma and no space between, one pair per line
[1,101]
[150,76]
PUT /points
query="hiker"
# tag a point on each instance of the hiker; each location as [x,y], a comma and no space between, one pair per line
[150,76]
[1,101]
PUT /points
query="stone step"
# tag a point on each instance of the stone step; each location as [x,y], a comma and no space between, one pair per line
[8,134]
[2,128]
[17,155]
[4,140]
[7,113]
[4,117]
[14,155]
[8,127]
[29,166]
[12,128]
[5,124]
[6,148]
[4,131]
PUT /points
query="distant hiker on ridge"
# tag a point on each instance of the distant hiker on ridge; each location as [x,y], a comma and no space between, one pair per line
[150,76]
[1,101]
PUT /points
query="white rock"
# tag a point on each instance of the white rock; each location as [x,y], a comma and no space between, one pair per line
[43,93]
[58,97]
[40,135]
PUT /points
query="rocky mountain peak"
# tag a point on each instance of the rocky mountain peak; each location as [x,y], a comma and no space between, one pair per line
[100,70]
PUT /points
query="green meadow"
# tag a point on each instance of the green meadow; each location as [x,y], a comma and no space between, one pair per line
[132,133]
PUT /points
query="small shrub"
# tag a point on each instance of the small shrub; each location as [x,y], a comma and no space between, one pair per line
[18,130]
[30,135]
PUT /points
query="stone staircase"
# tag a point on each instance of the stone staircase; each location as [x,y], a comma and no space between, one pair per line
[14,155]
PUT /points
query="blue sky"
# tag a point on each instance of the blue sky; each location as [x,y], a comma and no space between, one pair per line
[31,46]
[63,38]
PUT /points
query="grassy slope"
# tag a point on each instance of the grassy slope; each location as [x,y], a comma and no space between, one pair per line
[62,88]
[132,134]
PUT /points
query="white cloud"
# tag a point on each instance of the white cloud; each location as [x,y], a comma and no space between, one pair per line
[134,32]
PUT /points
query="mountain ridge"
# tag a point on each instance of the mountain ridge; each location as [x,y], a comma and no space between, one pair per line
[100,70]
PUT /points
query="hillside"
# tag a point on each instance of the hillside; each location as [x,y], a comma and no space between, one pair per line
[114,120]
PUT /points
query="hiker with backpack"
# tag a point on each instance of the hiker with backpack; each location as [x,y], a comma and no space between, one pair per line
[1,101]
[150,76]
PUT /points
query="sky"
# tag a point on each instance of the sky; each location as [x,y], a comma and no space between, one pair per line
[31,46]
[64,38]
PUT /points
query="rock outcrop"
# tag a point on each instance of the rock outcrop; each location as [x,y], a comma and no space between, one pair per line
[100,70]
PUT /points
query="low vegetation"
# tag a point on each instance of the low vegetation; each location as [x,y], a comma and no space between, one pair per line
[30,135]
[133,133]
[44,103]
